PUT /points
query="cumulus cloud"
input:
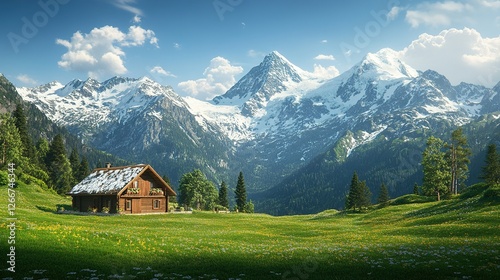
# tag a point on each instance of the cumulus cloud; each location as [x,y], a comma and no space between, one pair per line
[324,57]
[219,76]
[99,53]
[137,35]
[436,14]
[27,80]
[325,73]
[158,70]
[461,55]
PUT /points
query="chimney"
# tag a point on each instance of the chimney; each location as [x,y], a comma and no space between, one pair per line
[108,164]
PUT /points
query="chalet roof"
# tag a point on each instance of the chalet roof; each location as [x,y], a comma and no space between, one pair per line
[110,180]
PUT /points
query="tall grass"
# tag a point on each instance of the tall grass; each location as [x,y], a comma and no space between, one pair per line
[454,239]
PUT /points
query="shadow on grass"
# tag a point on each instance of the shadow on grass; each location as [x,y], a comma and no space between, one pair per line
[104,263]
[46,209]
[53,209]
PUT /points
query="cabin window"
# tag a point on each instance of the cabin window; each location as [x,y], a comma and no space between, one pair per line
[151,185]
[156,204]
[136,184]
[128,204]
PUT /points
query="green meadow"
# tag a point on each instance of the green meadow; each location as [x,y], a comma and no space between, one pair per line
[457,238]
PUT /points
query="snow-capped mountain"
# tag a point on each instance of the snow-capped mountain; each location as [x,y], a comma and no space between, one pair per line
[281,117]
[238,112]
[137,119]
[273,120]
[89,105]
[274,75]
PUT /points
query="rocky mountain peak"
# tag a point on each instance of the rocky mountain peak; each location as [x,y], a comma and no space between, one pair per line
[385,65]
[273,75]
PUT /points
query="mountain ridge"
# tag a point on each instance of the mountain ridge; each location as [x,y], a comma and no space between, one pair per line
[276,119]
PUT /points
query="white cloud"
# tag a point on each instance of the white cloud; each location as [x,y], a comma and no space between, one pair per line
[393,13]
[27,80]
[99,52]
[127,6]
[324,41]
[461,55]
[495,4]
[137,36]
[254,53]
[325,73]
[324,57]
[177,45]
[160,71]
[436,14]
[219,76]
[136,19]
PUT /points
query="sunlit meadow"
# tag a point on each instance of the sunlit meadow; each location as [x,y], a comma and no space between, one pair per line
[454,239]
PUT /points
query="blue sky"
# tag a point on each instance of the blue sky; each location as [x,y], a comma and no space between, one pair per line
[202,47]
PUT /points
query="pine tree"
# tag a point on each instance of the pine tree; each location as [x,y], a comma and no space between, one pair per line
[42,149]
[415,189]
[74,162]
[364,195]
[458,158]
[83,169]
[223,199]
[11,145]
[383,196]
[58,165]
[491,171]
[353,196]
[240,193]
[437,174]
[22,126]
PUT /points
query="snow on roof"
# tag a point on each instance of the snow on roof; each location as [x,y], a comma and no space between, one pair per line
[107,181]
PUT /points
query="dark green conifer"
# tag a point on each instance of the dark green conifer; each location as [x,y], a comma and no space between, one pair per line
[491,171]
[383,196]
[223,199]
[240,193]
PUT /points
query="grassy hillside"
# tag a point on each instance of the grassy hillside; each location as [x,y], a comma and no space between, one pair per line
[455,239]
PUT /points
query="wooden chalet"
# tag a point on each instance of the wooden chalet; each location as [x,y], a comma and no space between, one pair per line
[126,189]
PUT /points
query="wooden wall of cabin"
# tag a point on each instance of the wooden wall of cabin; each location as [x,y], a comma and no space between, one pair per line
[143,204]
[85,203]
[144,183]
[147,204]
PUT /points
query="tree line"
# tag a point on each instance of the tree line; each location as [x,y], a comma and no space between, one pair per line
[445,169]
[45,163]
[196,191]
[359,195]
[445,165]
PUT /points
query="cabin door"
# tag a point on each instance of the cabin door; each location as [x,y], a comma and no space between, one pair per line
[128,205]
[136,206]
